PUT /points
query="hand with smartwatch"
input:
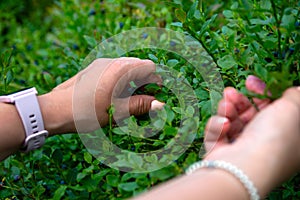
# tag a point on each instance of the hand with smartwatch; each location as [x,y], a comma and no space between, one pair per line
[27,119]
[263,145]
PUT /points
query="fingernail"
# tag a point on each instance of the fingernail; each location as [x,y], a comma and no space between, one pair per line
[222,120]
[298,88]
[156,105]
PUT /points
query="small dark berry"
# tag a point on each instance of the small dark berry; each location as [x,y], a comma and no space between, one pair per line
[297,24]
[283,54]
[75,47]
[172,44]
[268,60]
[121,24]
[47,187]
[63,166]
[236,50]
[36,62]
[14,47]
[291,50]
[22,82]
[29,47]
[92,12]
[16,178]
[62,182]
[133,148]
[275,54]
[145,35]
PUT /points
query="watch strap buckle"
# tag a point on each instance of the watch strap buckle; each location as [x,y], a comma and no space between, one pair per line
[34,141]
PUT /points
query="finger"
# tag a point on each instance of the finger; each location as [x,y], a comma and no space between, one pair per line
[257,86]
[141,104]
[141,72]
[124,91]
[292,95]
[227,109]
[134,105]
[134,68]
[215,132]
[240,101]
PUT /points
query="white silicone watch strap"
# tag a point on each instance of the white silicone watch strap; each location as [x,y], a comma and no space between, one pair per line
[28,107]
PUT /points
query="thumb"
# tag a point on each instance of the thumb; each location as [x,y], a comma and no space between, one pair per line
[141,104]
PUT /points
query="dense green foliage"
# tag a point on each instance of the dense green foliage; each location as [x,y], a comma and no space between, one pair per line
[44,43]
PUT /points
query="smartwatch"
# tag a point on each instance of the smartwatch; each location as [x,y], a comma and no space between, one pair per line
[28,108]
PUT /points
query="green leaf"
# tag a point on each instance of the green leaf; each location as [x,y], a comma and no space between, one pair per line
[261,71]
[227,62]
[15,170]
[170,131]
[59,193]
[38,190]
[80,176]
[129,186]
[265,4]
[270,43]
[180,14]
[90,41]
[288,22]
[172,62]
[88,157]
[162,174]
[227,31]
[57,156]
[202,94]
[228,14]
[153,58]
[192,12]
[112,180]
[177,24]
[261,22]
[190,111]
[159,124]
[205,108]
[120,131]
[177,110]
[170,114]
[9,77]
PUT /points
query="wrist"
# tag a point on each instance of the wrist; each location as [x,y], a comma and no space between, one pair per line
[57,113]
[256,162]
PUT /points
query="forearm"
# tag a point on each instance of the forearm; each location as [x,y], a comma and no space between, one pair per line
[214,184]
[206,184]
[12,133]
[57,114]
[57,117]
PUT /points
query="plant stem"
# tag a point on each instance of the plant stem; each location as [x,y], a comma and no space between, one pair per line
[278,26]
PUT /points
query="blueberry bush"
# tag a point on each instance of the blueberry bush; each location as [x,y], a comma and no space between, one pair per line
[43,43]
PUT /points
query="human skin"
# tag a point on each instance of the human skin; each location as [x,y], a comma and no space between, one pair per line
[99,85]
[265,147]
[263,144]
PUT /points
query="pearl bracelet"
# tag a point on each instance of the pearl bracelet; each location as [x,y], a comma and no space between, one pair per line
[239,174]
